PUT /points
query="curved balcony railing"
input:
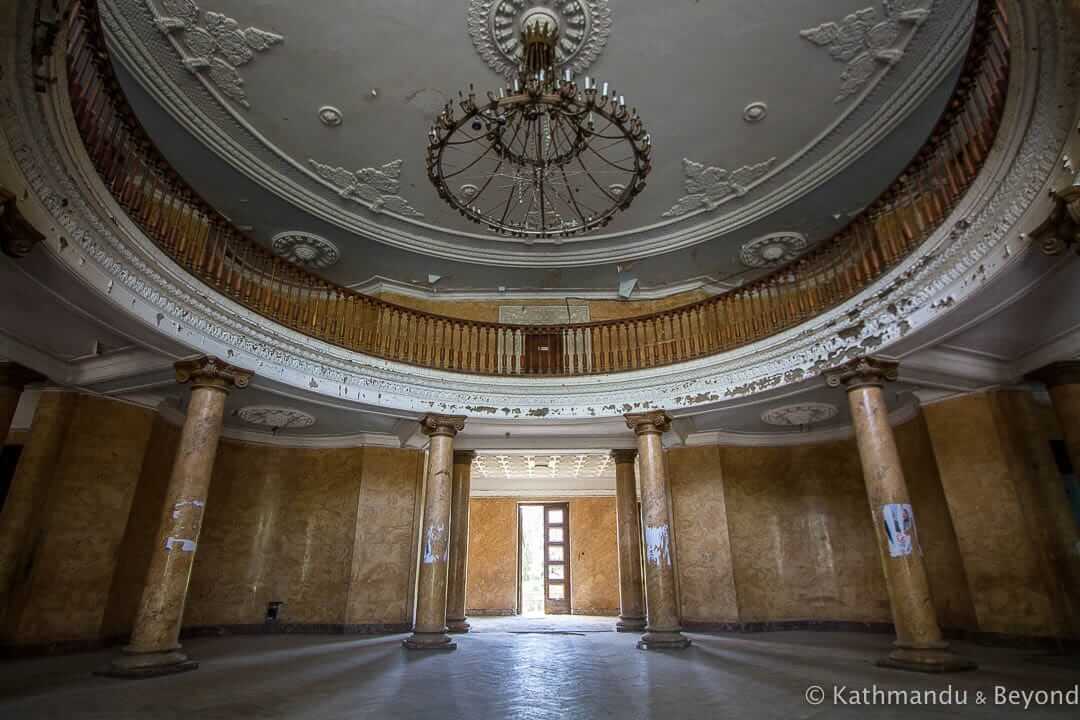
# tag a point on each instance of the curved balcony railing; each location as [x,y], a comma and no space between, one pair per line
[205,244]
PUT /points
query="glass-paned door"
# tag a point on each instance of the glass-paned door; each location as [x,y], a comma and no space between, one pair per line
[556,558]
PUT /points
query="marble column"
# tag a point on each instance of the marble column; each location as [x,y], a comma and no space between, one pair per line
[628,522]
[919,644]
[1062,381]
[459,542]
[429,630]
[662,629]
[155,639]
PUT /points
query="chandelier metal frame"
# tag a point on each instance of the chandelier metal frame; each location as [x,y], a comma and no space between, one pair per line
[543,158]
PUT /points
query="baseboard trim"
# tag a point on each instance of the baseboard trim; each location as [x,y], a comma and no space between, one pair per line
[295,629]
[977,637]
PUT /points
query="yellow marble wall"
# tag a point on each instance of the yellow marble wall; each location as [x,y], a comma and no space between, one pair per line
[387,528]
[699,513]
[769,534]
[329,532]
[75,550]
[991,464]
[594,557]
[491,577]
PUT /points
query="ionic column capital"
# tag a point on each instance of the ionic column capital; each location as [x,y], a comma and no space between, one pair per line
[862,372]
[655,422]
[1059,373]
[448,425]
[210,372]
[464,457]
[624,456]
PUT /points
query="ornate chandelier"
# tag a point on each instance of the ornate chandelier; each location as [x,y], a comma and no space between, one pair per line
[542,158]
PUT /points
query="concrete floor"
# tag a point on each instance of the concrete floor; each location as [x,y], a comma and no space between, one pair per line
[508,669]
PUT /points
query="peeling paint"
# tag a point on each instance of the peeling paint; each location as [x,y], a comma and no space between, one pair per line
[539,412]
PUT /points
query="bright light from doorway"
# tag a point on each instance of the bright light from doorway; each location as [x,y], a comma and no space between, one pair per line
[532,560]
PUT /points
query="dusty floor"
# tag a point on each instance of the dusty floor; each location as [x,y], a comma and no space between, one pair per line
[578,671]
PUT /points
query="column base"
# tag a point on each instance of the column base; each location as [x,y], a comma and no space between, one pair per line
[456,627]
[663,640]
[429,641]
[630,624]
[133,664]
[925,658]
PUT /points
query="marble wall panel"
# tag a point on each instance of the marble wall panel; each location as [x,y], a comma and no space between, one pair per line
[705,568]
[594,557]
[491,582]
[387,526]
[76,552]
[801,535]
[1000,559]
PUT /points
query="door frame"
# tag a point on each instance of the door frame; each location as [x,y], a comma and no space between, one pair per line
[565,507]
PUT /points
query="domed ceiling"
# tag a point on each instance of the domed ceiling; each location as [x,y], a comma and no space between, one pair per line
[773,122]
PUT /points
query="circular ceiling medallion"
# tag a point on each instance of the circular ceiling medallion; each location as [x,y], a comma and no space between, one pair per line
[755,112]
[279,418]
[331,116]
[798,415]
[304,248]
[495,28]
[774,249]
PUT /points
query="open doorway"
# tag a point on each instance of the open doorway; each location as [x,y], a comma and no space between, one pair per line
[544,558]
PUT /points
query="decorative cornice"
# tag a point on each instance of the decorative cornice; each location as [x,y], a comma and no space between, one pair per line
[625,456]
[210,372]
[92,237]
[865,42]
[1059,373]
[449,425]
[862,372]
[657,421]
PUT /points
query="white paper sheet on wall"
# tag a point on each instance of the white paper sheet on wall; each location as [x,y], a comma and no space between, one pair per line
[899,522]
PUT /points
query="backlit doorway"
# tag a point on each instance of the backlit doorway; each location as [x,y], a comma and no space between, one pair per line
[544,559]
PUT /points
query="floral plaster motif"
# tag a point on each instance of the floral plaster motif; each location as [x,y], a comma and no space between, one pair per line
[707,187]
[799,415]
[864,41]
[279,418]
[304,248]
[774,249]
[216,42]
[375,187]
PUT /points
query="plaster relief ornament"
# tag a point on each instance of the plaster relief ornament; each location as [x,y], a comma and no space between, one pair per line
[279,418]
[494,25]
[864,41]
[799,415]
[774,249]
[217,43]
[707,187]
[304,248]
[377,188]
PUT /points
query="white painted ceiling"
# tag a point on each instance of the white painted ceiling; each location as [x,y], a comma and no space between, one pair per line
[691,69]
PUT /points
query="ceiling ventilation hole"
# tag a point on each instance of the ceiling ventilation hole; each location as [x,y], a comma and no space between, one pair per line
[799,415]
[755,112]
[305,249]
[330,116]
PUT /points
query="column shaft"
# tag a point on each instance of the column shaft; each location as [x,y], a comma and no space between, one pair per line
[459,542]
[919,644]
[662,629]
[628,520]
[155,639]
[429,630]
